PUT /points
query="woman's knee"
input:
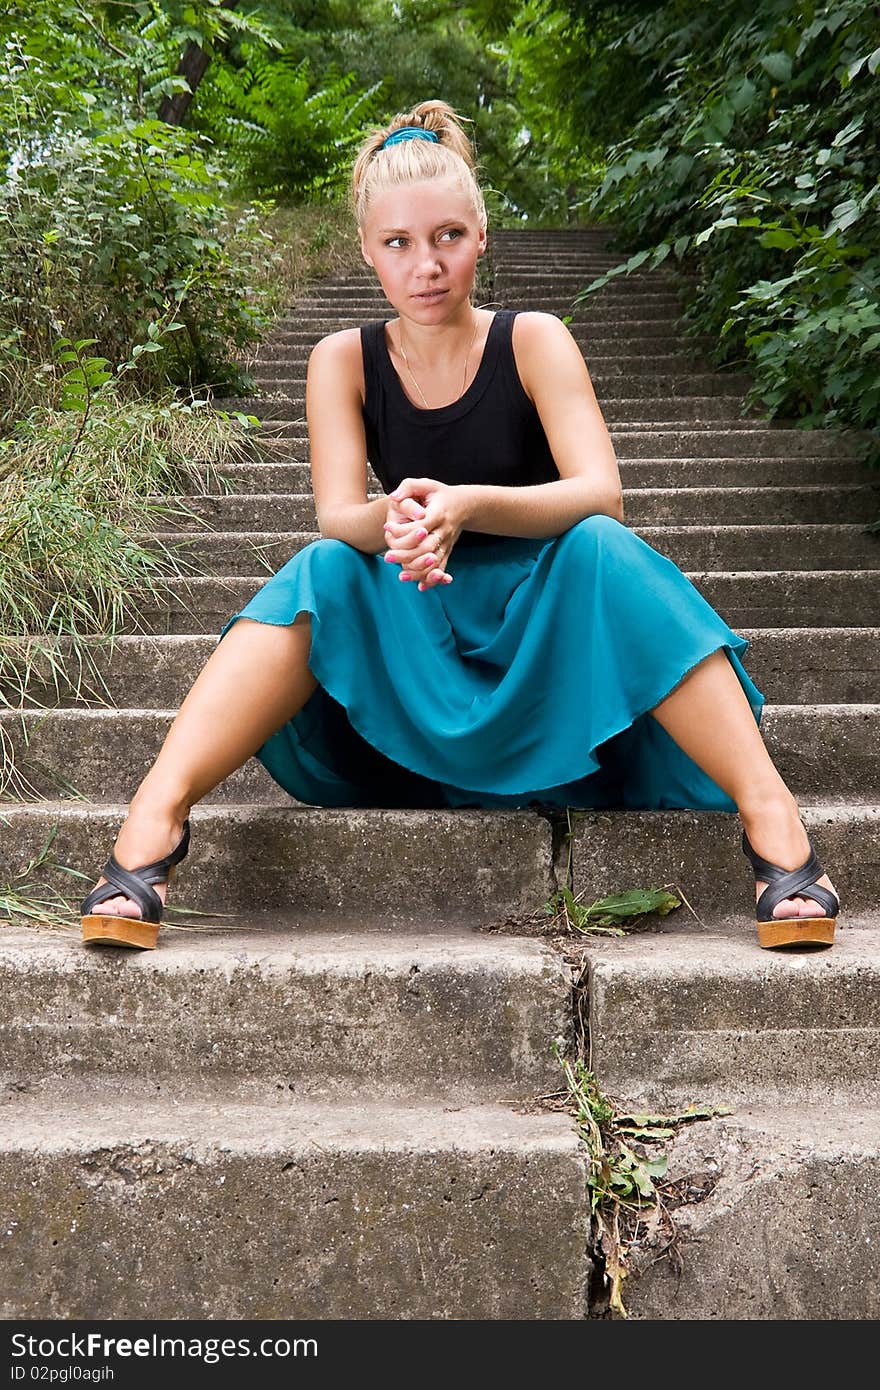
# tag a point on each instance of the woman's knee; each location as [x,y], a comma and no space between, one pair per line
[598,527]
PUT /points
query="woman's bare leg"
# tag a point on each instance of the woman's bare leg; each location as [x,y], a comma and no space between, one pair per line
[709,716]
[253,682]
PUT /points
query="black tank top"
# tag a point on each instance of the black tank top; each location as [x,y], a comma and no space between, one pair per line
[491,434]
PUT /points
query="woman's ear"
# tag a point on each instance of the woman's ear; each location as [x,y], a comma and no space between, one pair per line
[363,248]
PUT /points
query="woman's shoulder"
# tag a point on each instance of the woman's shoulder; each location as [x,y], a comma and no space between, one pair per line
[345,343]
[535,327]
[538,339]
[336,362]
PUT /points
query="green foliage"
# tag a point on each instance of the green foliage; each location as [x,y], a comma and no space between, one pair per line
[83,491]
[743,143]
[283,134]
[612,915]
[24,901]
[108,231]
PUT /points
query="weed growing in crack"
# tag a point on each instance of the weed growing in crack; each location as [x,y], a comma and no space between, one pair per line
[631,1200]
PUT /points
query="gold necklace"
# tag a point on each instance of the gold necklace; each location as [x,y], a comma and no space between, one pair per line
[463,379]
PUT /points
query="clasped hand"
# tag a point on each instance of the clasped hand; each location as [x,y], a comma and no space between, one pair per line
[424,522]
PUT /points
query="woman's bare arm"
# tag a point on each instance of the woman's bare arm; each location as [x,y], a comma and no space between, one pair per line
[554,374]
[338,446]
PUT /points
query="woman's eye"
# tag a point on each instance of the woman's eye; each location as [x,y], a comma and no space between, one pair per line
[449,232]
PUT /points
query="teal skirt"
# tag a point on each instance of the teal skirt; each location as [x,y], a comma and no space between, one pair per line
[525,682]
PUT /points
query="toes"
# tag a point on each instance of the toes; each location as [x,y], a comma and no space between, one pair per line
[798,907]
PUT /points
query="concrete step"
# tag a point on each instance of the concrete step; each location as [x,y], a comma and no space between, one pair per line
[293,1210]
[745,599]
[488,864]
[337,1010]
[601,346]
[605,335]
[546,298]
[790,1231]
[678,1013]
[261,475]
[632,411]
[329,861]
[632,321]
[683,385]
[575,268]
[681,506]
[690,547]
[819,749]
[609,362]
[830,665]
[701,852]
[738,437]
[649,436]
[604,305]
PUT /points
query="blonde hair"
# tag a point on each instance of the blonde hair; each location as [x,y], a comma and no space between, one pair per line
[453,155]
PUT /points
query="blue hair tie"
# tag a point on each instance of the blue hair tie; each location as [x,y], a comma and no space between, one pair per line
[410,132]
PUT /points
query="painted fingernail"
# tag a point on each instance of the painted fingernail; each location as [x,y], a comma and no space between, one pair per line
[389,558]
[430,561]
[405,577]
[421,533]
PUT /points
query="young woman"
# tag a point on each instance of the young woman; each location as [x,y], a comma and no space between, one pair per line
[488,631]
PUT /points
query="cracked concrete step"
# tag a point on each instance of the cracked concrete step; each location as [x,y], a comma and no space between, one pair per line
[333,1012]
[285,1209]
[790,1231]
[490,864]
[745,599]
[821,749]
[306,858]
[271,475]
[690,547]
[830,665]
[681,506]
[679,1015]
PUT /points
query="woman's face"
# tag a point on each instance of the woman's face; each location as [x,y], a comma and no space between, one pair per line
[423,240]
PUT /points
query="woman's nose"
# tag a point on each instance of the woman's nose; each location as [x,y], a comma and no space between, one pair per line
[429,261]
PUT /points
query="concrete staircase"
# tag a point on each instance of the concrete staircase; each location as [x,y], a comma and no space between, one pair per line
[328,1102]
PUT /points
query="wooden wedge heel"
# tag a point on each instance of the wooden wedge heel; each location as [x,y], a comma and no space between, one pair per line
[142,933]
[790,883]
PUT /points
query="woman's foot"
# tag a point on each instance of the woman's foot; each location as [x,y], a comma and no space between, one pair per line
[147,835]
[777,833]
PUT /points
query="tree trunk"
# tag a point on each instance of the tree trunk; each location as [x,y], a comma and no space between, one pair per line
[193,66]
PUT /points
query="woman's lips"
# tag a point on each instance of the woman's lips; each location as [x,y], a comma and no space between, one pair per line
[429,295]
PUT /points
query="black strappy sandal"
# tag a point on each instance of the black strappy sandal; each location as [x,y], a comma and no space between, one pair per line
[790,883]
[143,931]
